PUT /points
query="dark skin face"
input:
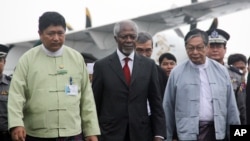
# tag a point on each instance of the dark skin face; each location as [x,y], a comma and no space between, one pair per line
[126,38]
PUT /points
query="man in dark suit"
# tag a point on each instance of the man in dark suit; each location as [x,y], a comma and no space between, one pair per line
[144,46]
[121,99]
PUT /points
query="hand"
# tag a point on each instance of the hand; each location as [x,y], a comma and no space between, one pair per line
[158,139]
[18,133]
[91,138]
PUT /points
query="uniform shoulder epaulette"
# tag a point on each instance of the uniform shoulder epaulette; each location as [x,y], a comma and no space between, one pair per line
[236,70]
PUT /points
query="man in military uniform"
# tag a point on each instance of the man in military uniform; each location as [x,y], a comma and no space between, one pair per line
[217,49]
[4,87]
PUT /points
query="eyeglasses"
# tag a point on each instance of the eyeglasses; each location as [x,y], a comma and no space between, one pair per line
[140,50]
[192,48]
[125,37]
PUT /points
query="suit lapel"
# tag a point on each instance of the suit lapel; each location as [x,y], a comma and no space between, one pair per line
[116,66]
[136,70]
[137,64]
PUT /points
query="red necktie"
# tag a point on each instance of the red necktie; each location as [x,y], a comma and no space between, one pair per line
[126,70]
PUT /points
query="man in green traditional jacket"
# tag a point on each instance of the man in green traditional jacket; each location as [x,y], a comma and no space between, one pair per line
[50,97]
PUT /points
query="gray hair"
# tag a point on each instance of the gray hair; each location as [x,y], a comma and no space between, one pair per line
[143,37]
[196,33]
[117,27]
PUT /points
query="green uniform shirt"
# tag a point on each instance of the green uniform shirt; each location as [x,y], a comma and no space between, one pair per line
[37,97]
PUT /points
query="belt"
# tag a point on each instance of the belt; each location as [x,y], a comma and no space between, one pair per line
[203,124]
[206,122]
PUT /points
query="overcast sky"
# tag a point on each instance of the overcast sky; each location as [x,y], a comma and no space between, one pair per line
[19,18]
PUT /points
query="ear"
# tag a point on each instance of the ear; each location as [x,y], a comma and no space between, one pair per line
[206,49]
[116,39]
[39,32]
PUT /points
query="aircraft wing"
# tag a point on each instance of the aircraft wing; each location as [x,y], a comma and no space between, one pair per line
[99,41]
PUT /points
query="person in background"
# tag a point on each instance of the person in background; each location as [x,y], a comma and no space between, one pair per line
[218,39]
[144,46]
[248,92]
[239,61]
[122,84]
[199,101]
[50,96]
[4,91]
[90,70]
[167,62]
[217,44]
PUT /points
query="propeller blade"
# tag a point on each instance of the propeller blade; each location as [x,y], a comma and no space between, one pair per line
[88,19]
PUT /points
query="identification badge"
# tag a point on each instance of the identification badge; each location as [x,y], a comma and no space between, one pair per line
[71,90]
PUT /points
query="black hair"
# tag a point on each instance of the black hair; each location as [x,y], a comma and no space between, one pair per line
[235,58]
[3,49]
[167,55]
[248,61]
[51,18]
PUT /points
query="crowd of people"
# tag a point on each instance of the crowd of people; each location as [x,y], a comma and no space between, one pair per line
[50,96]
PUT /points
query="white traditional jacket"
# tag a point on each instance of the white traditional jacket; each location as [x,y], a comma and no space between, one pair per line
[182,100]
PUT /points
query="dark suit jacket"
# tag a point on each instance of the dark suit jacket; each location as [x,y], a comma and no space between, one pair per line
[163,79]
[120,106]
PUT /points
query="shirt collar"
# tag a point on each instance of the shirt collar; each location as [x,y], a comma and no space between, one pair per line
[122,56]
[53,54]
[201,66]
[4,80]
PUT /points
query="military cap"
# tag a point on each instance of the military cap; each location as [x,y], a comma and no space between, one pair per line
[218,36]
[3,50]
